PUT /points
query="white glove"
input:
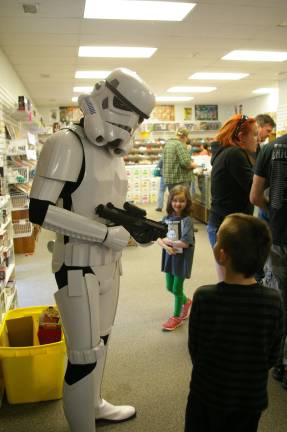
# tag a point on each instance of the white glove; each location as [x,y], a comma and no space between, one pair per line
[117,238]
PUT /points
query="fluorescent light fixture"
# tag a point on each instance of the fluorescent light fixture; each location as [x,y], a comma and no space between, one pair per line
[137,10]
[173,98]
[217,76]
[265,90]
[84,89]
[249,55]
[110,51]
[191,89]
[75,99]
[92,74]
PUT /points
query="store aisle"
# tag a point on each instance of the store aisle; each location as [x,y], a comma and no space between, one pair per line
[147,367]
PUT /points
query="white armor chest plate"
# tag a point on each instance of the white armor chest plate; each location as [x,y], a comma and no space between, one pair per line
[104,181]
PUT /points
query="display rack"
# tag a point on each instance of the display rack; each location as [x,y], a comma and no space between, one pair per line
[147,149]
[8,295]
[142,185]
[8,292]
[22,159]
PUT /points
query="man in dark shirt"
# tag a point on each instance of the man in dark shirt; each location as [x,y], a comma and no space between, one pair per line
[235,332]
[271,171]
[266,124]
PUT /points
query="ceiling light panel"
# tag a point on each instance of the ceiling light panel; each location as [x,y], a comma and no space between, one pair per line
[83,89]
[173,98]
[91,74]
[191,89]
[265,90]
[112,52]
[213,76]
[249,55]
[137,10]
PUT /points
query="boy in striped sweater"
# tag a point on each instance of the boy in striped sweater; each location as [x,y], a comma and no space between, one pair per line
[235,332]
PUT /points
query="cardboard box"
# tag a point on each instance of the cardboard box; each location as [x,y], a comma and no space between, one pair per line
[20,331]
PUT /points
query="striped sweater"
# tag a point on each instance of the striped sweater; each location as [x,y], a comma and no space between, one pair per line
[235,332]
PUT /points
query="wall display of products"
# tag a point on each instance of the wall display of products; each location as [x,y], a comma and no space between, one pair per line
[145,151]
[8,294]
[193,126]
[20,139]
[206,112]
[21,161]
[163,112]
[142,185]
[151,137]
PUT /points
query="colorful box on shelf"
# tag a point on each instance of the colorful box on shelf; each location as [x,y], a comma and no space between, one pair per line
[18,175]
[17,147]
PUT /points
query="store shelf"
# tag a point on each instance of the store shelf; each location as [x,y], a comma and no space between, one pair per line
[145,151]
[142,185]
[4,249]
[4,226]
[4,200]
[19,201]
[22,228]
[9,272]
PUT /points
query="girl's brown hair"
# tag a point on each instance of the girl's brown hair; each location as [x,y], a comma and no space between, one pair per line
[177,190]
[228,134]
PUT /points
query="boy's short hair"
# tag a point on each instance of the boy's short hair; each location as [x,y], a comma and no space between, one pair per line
[247,241]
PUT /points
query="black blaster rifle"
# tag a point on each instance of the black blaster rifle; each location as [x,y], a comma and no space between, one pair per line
[133,219]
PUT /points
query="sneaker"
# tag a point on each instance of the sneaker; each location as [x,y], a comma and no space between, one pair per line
[185,309]
[278,373]
[172,323]
[158,209]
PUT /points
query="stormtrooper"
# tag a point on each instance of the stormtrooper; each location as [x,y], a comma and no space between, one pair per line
[79,168]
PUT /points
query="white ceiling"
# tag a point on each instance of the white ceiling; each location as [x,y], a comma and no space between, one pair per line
[47,43]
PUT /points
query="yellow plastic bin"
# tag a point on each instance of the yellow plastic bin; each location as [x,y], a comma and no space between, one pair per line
[31,373]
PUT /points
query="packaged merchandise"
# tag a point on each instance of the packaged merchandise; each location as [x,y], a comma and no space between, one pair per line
[49,326]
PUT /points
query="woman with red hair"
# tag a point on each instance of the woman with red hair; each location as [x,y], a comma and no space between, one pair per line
[233,156]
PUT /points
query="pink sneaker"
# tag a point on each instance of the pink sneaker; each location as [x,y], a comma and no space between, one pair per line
[185,309]
[172,323]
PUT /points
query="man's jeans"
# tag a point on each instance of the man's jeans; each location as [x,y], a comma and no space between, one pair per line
[212,231]
[162,188]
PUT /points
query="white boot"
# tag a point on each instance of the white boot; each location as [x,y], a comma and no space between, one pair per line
[78,405]
[103,409]
[114,413]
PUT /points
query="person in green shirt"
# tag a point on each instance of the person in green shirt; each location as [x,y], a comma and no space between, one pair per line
[177,164]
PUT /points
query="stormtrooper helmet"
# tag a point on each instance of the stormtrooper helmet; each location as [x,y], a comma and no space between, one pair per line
[115,108]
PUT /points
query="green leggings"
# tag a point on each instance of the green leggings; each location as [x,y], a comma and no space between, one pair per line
[174,284]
